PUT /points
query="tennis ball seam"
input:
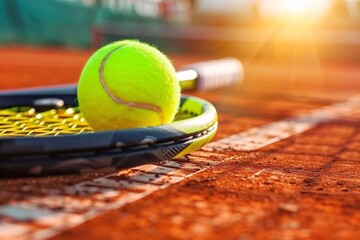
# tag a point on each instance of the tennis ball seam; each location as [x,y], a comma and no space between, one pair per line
[130,104]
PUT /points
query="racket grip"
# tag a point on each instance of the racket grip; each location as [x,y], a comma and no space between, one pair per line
[214,73]
[197,76]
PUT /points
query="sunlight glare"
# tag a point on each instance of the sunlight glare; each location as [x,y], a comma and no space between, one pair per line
[295,7]
[303,11]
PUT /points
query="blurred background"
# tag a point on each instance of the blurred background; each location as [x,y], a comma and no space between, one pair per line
[276,30]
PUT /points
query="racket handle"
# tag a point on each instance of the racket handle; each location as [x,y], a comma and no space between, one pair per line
[197,76]
[211,74]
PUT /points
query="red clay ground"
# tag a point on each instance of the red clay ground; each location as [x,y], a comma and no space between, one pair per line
[304,187]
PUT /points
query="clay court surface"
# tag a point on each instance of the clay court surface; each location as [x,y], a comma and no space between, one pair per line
[284,164]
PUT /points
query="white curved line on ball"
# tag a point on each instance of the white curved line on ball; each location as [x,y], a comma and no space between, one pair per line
[145,106]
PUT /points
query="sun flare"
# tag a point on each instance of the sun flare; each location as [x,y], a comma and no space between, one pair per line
[301,10]
[295,7]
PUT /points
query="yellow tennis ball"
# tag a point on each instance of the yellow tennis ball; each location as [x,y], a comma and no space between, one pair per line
[128,84]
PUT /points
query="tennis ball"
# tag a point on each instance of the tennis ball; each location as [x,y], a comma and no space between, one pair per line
[128,84]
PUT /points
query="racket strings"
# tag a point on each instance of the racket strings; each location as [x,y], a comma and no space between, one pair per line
[26,121]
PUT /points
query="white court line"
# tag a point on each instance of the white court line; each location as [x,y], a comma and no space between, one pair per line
[262,136]
[51,215]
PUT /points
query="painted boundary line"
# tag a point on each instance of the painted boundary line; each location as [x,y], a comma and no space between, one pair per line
[44,217]
[256,138]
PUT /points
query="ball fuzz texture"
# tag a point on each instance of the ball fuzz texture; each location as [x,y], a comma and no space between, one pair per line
[128,84]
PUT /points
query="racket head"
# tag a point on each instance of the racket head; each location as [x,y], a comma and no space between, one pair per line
[37,149]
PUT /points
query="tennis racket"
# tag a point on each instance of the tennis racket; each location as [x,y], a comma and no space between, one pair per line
[42,131]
